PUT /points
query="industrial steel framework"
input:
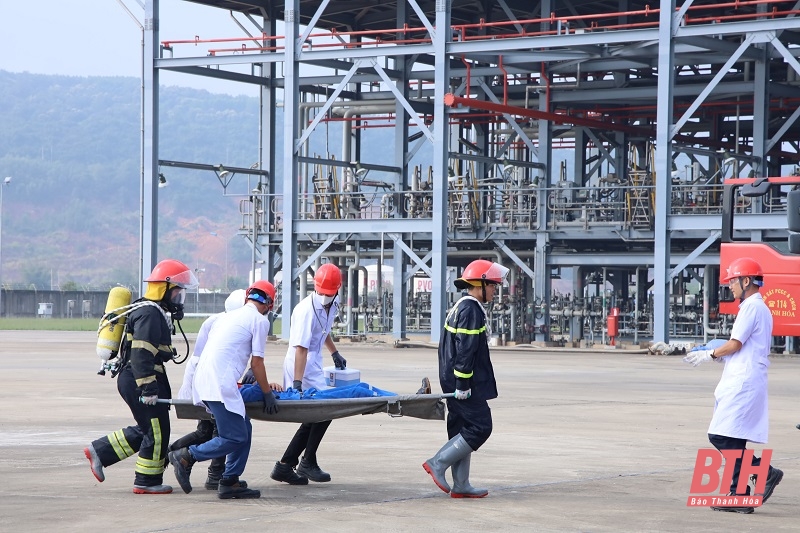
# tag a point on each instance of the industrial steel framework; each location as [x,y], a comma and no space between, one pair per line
[491,87]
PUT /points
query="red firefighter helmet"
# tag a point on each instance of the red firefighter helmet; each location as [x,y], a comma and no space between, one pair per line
[174,272]
[481,271]
[265,287]
[743,267]
[328,279]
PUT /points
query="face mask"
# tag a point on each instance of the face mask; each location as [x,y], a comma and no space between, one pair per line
[324,300]
[175,300]
[177,297]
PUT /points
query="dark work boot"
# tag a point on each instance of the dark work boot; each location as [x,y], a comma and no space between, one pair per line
[182,462]
[426,387]
[284,472]
[452,452]
[231,488]
[215,470]
[742,509]
[775,476]
[212,481]
[312,471]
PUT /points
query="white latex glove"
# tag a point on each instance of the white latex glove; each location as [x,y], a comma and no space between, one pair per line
[149,400]
[462,394]
[698,356]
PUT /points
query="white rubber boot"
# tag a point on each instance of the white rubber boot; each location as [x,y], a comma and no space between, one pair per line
[452,452]
[461,486]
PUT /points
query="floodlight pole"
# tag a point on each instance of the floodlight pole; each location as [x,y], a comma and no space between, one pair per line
[6,181]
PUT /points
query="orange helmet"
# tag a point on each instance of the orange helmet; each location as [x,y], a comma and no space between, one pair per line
[174,272]
[480,272]
[264,287]
[328,279]
[743,267]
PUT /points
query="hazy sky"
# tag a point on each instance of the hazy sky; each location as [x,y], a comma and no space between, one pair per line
[98,38]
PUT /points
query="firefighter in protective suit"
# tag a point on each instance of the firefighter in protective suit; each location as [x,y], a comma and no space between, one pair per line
[465,371]
[143,380]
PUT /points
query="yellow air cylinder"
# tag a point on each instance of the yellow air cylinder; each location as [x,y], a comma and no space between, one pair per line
[110,335]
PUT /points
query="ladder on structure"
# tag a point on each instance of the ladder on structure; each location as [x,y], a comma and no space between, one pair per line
[640,204]
[463,207]
[324,197]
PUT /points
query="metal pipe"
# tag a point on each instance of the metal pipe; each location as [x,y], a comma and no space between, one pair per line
[347,125]
[364,297]
[636,309]
[350,271]
[512,296]
[303,278]
[605,309]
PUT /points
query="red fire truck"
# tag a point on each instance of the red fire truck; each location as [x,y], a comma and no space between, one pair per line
[780,260]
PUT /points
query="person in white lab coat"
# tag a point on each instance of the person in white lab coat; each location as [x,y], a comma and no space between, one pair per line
[310,328]
[206,429]
[741,411]
[235,338]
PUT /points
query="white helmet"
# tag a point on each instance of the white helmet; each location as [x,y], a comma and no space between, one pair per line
[235,300]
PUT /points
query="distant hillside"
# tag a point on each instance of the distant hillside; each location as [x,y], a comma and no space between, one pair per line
[72,147]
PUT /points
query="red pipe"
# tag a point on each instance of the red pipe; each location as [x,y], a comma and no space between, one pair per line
[469,68]
[505,81]
[452,100]
[647,12]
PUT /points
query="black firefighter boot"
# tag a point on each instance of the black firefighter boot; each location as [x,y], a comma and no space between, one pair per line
[452,452]
[461,486]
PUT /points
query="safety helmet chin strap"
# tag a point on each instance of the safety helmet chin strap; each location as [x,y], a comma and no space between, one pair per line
[753,283]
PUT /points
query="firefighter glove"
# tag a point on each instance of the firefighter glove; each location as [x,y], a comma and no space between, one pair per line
[338,360]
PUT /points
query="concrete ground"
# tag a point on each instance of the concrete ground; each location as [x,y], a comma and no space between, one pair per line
[595,442]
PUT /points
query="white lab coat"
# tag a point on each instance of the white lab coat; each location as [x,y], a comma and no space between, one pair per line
[234,337]
[741,408]
[191,365]
[309,327]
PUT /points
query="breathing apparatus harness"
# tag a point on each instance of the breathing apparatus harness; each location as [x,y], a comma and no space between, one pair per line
[482,306]
[117,363]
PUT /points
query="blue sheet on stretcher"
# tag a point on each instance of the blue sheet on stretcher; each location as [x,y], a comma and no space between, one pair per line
[252,393]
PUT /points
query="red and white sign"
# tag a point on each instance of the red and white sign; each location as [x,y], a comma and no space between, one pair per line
[708,463]
[423,285]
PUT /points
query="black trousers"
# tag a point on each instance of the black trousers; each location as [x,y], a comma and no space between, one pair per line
[722,442]
[472,418]
[149,437]
[206,430]
[308,438]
